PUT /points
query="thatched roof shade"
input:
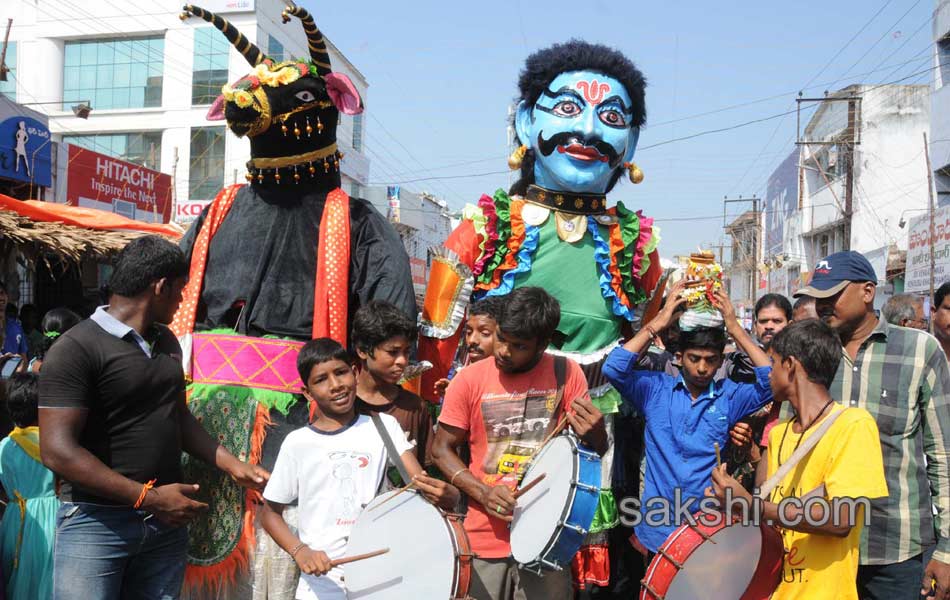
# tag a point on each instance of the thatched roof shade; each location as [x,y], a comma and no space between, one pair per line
[36,238]
[39,229]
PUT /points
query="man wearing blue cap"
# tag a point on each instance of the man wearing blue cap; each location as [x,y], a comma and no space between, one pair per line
[901,377]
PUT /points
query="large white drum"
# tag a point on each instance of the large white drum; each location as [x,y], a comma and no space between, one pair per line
[429,555]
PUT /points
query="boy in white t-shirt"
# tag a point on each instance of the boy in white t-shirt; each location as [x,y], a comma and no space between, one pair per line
[333,468]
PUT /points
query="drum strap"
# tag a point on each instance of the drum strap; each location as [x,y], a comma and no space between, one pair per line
[391,448]
[560,376]
[797,456]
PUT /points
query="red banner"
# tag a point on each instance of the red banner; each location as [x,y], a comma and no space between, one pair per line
[99,181]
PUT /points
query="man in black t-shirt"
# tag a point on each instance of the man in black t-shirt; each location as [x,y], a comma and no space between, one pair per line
[114,423]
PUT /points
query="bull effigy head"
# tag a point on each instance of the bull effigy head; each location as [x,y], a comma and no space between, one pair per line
[288,109]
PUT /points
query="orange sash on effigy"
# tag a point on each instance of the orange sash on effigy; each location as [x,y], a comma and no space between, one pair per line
[331,290]
[184,321]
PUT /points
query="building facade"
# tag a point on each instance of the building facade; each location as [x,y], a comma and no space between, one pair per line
[422,221]
[940,103]
[150,79]
[741,275]
[806,201]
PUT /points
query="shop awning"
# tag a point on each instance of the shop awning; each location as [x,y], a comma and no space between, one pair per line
[38,228]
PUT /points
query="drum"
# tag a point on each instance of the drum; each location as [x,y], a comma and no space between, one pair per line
[716,561]
[429,554]
[552,518]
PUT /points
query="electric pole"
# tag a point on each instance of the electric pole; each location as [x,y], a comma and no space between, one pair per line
[753,279]
[933,229]
[850,139]
[849,182]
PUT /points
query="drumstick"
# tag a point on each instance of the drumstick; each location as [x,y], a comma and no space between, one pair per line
[401,490]
[557,429]
[718,456]
[534,482]
[349,559]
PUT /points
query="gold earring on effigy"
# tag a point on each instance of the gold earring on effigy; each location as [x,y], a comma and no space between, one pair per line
[517,157]
[633,172]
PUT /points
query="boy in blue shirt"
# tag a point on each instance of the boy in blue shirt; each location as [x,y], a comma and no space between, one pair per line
[686,415]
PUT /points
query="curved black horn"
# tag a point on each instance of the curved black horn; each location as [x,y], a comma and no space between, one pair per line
[248,50]
[315,41]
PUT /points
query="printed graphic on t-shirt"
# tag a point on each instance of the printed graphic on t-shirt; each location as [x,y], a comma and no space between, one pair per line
[515,425]
[344,469]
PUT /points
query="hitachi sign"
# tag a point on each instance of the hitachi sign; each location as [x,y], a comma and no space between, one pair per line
[130,175]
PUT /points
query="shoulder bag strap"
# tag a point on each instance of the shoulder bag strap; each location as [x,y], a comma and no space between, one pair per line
[390,448]
[797,456]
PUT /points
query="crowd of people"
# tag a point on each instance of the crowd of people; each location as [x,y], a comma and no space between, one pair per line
[166,445]
[111,468]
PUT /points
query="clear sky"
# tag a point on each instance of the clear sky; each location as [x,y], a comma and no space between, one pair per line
[442,75]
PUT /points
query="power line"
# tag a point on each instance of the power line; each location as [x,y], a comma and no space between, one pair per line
[879,40]
[848,43]
[810,81]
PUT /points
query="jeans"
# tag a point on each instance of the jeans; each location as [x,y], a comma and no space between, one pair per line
[115,552]
[891,582]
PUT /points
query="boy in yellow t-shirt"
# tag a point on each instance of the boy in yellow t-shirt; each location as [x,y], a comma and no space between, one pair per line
[822,551]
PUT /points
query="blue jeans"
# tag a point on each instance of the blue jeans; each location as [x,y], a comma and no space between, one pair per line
[115,552]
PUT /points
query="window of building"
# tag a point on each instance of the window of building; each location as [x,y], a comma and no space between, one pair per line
[943,55]
[210,65]
[828,159]
[8,87]
[114,73]
[275,49]
[207,163]
[942,183]
[358,132]
[144,148]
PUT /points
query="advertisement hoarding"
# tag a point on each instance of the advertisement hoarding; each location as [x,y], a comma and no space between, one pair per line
[25,151]
[781,202]
[917,275]
[95,180]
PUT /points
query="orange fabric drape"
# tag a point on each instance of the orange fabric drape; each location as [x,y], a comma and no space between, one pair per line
[184,321]
[77,216]
[331,288]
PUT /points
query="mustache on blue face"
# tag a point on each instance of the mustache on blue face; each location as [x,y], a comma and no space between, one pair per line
[567,138]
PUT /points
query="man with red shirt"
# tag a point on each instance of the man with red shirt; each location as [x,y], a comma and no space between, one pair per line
[502,409]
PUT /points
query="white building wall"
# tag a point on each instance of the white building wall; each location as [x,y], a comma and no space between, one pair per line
[890,172]
[940,102]
[41,29]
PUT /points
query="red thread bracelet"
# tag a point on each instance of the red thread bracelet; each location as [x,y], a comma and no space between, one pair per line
[145,488]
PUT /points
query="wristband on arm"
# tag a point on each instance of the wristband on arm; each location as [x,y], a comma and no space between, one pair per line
[145,488]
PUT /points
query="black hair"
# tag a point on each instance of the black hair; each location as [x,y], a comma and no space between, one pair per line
[941,293]
[815,345]
[3,286]
[778,301]
[55,323]
[317,352]
[27,309]
[543,66]
[23,399]
[529,313]
[489,307]
[703,338]
[144,261]
[802,301]
[377,321]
